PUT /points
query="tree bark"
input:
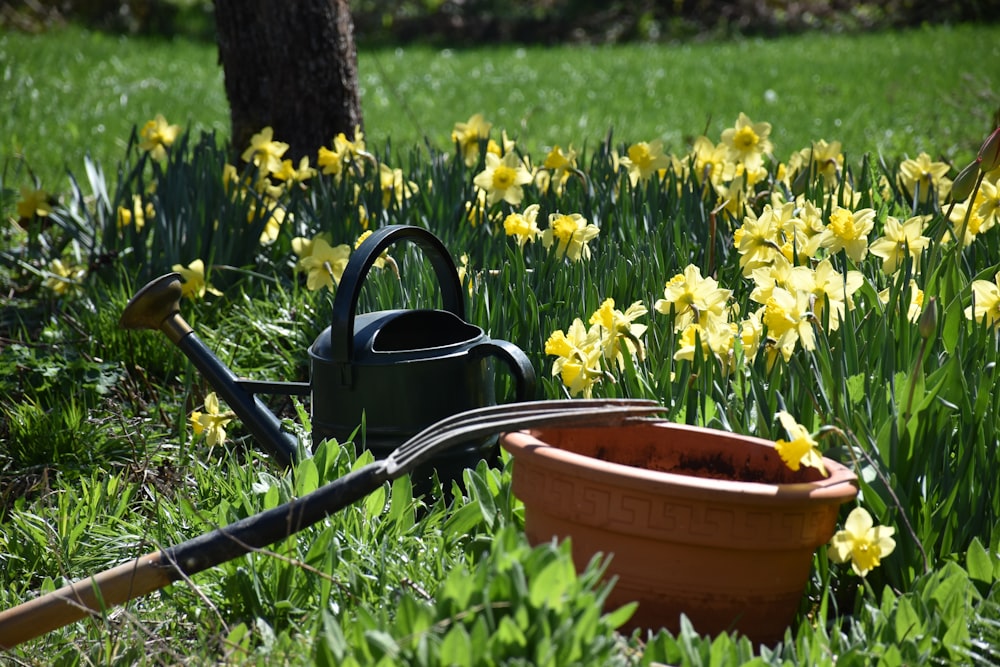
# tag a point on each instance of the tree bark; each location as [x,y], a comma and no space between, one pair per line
[291,66]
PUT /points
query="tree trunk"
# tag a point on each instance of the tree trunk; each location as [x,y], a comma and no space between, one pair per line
[291,66]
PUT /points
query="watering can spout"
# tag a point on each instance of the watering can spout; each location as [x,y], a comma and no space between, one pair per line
[157,306]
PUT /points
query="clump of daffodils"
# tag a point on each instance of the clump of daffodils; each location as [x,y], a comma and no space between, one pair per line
[584,354]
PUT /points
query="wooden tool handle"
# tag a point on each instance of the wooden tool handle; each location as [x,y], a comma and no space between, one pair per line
[83,598]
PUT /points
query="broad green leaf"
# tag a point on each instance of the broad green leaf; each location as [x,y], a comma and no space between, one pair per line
[457,589]
[550,586]
[856,388]
[508,634]
[401,505]
[906,622]
[306,477]
[891,657]
[982,565]
[375,501]
[456,647]
[463,520]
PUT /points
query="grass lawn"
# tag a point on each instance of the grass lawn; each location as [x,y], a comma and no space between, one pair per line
[67,93]
[832,301]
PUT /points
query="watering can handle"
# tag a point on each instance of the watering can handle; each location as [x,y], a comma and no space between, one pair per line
[348,291]
[516,360]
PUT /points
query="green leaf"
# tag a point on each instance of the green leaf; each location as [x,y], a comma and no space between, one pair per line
[306,477]
[381,643]
[462,521]
[621,615]
[401,505]
[480,491]
[856,388]
[549,587]
[508,634]
[375,501]
[906,622]
[456,647]
[982,566]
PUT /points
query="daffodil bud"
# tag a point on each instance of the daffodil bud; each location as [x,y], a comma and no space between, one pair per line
[989,153]
[927,326]
[801,181]
[965,182]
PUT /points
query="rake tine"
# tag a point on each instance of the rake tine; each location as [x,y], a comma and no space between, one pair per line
[525,409]
[419,448]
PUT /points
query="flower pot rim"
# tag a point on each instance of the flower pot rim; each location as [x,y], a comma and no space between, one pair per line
[529,445]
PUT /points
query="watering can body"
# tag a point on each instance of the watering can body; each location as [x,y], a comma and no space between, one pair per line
[398,371]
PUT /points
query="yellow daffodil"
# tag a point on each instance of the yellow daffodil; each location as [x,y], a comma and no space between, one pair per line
[194,280]
[136,215]
[571,233]
[801,449]
[788,319]
[861,542]
[523,226]
[394,186]
[618,328]
[826,284]
[467,136]
[476,211]
[692,299]
[211,422]
[157,135]
[265,152]
[506,145]
[916,305]
[759,239]
[382,259]
[558,166]
[717,337]
[324,264]
[709,161]
[848,231]
[465,277]
[345,152]
[979,215]
[289,173]
[33,202]
[579,355]
[751,332]
[985,301]
[921,176]
[63,278]
[825,159]
[900,239]
[502,179]
[747,142]
[645,160]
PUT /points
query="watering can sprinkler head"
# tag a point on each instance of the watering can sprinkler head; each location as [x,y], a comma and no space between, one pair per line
[157,306]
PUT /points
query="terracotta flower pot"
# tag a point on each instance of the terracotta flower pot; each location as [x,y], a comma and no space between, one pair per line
[701,522]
